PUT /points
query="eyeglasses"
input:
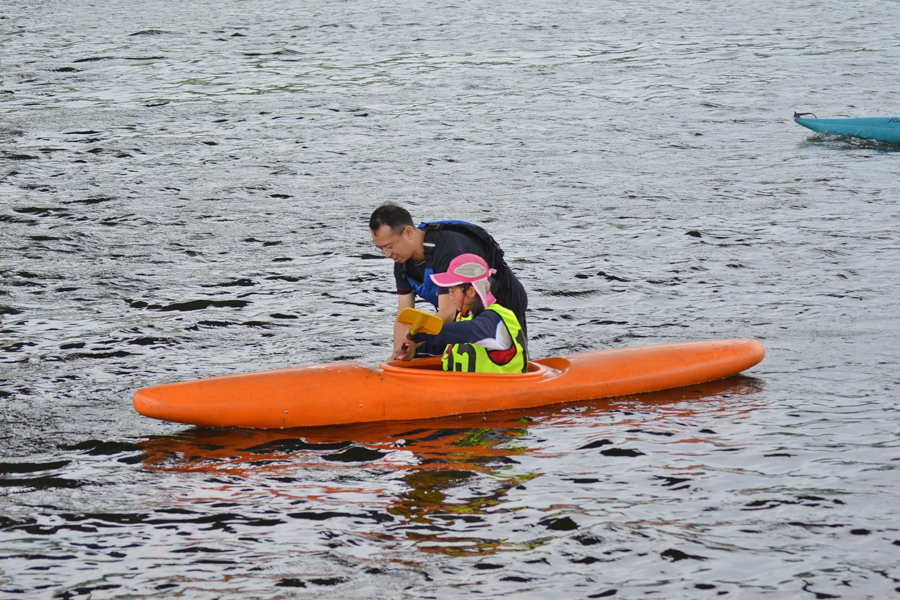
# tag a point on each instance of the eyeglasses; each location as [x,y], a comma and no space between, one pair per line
[388,250]
[462,288]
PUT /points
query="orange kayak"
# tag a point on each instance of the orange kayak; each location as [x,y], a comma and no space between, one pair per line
[351,392]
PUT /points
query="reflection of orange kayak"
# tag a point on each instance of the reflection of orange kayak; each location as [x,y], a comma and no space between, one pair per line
[439,443]
[351,392]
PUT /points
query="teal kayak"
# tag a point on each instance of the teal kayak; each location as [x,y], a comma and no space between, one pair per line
[883,129]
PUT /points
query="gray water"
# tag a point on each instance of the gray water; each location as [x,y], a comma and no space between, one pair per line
[184,191]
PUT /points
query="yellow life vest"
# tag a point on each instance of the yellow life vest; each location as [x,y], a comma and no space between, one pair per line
[471,358]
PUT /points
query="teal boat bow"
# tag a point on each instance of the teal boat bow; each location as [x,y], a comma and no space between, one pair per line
[882,129]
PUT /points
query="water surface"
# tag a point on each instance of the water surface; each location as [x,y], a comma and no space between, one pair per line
[184,191]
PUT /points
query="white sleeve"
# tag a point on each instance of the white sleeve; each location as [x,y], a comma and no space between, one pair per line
[501,340]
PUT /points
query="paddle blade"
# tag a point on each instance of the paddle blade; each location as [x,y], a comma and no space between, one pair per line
[420,321]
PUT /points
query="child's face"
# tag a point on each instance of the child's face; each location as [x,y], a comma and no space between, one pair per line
[462,301]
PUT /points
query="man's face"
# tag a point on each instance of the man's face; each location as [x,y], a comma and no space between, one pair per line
[396,247]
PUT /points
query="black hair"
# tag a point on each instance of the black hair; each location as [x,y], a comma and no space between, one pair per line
[477,306]
[395,217]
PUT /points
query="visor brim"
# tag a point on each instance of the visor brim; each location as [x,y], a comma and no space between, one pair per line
[446,282]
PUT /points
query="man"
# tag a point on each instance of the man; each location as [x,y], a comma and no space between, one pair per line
[418,252]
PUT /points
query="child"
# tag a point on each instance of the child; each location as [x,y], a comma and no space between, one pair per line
[485,337]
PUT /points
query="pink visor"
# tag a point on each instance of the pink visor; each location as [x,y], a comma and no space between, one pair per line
[468,269]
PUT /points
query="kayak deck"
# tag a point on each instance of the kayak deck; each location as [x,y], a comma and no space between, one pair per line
[352,392]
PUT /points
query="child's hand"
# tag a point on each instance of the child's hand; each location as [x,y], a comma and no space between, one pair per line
[399,350]
[408,350]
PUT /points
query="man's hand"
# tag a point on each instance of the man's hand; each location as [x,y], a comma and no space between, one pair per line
[400,329]
[401,332]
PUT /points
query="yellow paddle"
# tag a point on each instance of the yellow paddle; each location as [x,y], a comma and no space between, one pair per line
[420,321]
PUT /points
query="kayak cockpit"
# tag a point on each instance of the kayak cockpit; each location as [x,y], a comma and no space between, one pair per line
[431,367]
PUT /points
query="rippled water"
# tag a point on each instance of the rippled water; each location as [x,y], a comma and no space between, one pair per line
[184,189]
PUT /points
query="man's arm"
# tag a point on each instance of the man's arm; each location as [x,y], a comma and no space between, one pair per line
[446,309]
[400,330]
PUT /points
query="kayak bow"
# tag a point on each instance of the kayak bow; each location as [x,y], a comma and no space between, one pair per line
[351,392]
[882,129]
